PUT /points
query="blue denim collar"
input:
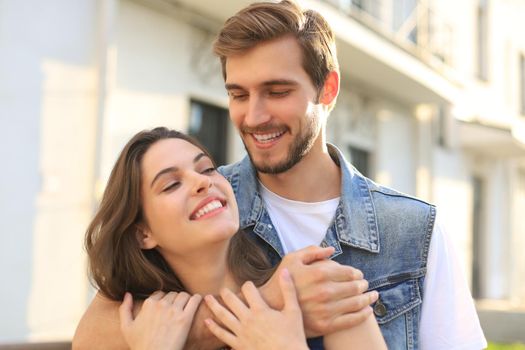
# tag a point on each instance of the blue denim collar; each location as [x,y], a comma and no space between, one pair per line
[355,222]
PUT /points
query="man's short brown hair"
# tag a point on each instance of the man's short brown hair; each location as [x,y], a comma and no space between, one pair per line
[263,21]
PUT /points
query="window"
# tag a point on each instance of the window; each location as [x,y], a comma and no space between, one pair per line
[477,238]
[482,44]
[357,3]
[360,159]
[209,124]
[522,84]
[518,239]
[404,14]
[371,8]
[441,127]
[444,127]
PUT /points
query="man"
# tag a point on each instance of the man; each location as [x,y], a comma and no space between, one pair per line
[281,72]
[294,190]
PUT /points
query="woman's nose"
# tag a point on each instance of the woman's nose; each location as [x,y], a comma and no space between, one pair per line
[202,183]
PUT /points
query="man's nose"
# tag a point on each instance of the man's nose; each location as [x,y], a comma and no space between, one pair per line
[257,113]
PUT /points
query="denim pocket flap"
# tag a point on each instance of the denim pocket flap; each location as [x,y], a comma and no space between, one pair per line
[396,299]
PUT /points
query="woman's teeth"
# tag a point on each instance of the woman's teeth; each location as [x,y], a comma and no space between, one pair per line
[207,208]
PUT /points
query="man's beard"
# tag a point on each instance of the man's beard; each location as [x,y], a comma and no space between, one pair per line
[300,147]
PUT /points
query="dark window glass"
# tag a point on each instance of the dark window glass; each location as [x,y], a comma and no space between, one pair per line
[441,127]
[477,238]
[360,159]
[209,124]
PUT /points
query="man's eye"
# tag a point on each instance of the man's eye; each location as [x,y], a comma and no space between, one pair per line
[238,96]
[171,186]
[279,93]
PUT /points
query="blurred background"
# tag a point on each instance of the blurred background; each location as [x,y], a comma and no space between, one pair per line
[432,104]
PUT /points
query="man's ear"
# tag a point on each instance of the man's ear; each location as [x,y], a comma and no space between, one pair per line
[145,238]
[330,88]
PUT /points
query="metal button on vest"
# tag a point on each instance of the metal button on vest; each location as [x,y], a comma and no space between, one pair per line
[379,308]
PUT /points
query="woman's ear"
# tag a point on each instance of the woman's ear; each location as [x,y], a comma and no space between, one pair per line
[145,238]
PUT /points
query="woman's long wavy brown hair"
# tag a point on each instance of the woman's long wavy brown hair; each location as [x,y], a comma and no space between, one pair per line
[117,264]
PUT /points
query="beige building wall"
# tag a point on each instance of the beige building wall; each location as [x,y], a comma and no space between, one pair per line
[48,109]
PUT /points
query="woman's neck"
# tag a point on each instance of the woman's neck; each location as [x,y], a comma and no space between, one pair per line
[205,272]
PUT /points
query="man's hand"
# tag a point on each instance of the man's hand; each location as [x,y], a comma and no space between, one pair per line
[331,295]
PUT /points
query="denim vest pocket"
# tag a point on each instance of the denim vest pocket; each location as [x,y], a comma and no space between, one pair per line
[396,299]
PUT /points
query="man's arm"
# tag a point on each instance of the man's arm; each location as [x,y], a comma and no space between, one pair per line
[99,328]
[331,295]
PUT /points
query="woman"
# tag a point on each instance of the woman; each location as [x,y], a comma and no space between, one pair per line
[167,223]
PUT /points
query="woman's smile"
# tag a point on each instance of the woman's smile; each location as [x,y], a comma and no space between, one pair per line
[208,207]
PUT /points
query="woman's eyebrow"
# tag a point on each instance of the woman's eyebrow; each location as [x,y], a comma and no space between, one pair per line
[199,156]
[173,169]
[170,169]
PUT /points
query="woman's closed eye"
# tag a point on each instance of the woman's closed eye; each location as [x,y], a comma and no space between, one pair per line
[171,186]
[209,170]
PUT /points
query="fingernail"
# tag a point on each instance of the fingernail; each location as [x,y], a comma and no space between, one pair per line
[375,295]
[285,273]
[364,284]
[207,321]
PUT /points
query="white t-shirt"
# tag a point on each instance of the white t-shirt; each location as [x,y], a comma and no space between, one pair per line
[446,289]
[445,285]
[311,220]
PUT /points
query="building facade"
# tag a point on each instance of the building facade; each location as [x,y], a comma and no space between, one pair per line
[432,103]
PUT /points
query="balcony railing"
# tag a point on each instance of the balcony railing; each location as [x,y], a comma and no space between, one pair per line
[411,24]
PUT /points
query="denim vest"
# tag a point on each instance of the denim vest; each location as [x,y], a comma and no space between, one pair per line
[384,233]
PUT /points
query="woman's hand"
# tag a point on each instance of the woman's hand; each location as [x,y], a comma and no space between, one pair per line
[256,325]
[162,323]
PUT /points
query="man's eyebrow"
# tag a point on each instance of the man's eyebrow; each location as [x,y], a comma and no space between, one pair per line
[232,86]
[173,169]
[279,82]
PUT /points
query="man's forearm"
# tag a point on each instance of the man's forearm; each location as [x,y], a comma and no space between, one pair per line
[200,337]
[99,327]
